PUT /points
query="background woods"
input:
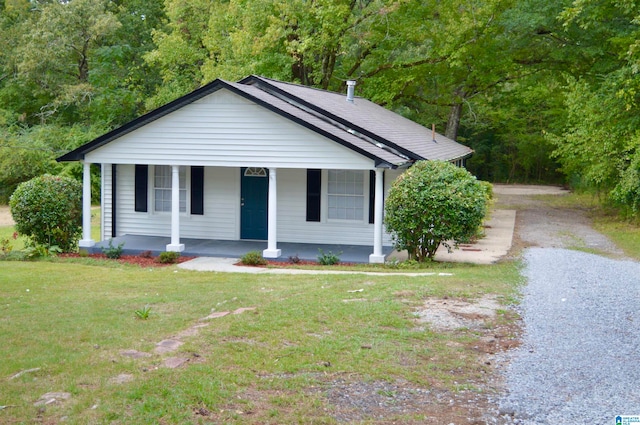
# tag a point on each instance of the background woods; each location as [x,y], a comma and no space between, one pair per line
[543,91]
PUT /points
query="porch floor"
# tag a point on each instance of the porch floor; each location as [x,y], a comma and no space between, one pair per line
[135,244]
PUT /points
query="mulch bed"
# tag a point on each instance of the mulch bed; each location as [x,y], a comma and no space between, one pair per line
[140,260]
[150,261]
[285,264]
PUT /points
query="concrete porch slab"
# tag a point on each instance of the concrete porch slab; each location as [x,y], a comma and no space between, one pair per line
[135,244]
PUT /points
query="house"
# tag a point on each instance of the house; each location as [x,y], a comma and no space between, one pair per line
[259,159]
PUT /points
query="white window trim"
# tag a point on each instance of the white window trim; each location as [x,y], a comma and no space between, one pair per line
[152,191]
[324,202]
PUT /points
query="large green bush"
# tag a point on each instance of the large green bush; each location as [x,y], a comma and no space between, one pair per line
[434,202]
[48,210]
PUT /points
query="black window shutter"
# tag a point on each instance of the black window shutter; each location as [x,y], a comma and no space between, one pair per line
[141,186]
[314,181]
[372,196]
[197,190]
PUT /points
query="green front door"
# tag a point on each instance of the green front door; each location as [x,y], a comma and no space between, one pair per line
[254,197]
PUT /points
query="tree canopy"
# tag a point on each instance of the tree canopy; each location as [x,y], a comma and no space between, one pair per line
[542,90]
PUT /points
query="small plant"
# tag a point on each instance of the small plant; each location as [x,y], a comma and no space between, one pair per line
[5,247]
[329,258]
[168,257]
[113,252]
[294,259]
[36,250]
[410,264]
[253,258]
[143,313]
[392,263]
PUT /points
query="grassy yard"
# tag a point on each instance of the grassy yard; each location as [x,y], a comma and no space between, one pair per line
[70,322]
[64,325]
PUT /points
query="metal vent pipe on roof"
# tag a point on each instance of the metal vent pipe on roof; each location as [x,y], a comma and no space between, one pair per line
[351,88]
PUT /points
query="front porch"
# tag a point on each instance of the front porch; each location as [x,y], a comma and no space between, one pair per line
[134,244]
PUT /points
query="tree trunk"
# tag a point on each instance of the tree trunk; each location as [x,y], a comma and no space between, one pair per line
[453,123]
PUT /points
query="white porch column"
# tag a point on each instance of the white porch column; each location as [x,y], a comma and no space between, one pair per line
[175,244]
[378,256]
[272,250]
[105,172]
[86,241]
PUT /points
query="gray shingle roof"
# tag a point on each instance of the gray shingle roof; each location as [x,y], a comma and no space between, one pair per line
[367,128]
[369,118]
[354,142]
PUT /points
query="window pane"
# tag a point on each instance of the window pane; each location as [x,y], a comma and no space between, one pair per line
[345,194]
[162,183]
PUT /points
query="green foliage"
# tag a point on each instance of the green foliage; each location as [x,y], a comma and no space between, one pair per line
[143,313]
[35,250]
[434,202]
[113,252]
[48,210]
[168,257]
[253,258]
[513,79]
[328,258]
[5,247]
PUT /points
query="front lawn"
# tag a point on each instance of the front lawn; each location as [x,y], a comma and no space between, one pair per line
[65,327]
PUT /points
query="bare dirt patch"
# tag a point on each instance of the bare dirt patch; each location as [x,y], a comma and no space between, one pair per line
[348,398]
[451,314]
[541,225]
[5,216]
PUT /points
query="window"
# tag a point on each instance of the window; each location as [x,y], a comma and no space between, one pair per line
[345,195]
[162,188]
[255,172]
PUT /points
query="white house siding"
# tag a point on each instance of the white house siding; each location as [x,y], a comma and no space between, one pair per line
[222,188]
[221,210]
[226,130]
[292,224]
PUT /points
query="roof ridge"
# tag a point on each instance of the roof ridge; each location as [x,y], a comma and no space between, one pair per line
[334,119]
[299,85]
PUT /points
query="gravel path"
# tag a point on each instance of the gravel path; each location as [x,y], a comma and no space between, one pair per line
[578,361]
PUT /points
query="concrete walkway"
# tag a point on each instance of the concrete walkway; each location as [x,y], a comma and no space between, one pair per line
[496,243]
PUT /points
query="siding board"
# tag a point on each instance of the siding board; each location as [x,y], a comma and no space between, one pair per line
[227,130]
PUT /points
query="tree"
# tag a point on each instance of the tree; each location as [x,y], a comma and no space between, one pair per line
[599,147]
[434,202]
[57,51]
[69,71]
[48,210]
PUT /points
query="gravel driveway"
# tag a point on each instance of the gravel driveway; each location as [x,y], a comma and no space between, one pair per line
[580,353]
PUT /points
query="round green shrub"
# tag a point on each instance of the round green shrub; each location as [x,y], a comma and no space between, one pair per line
[434,202]
[48,210]
[253,258]
[168,257]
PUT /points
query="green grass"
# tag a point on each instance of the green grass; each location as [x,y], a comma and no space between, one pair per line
[71,320]
[625,235]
